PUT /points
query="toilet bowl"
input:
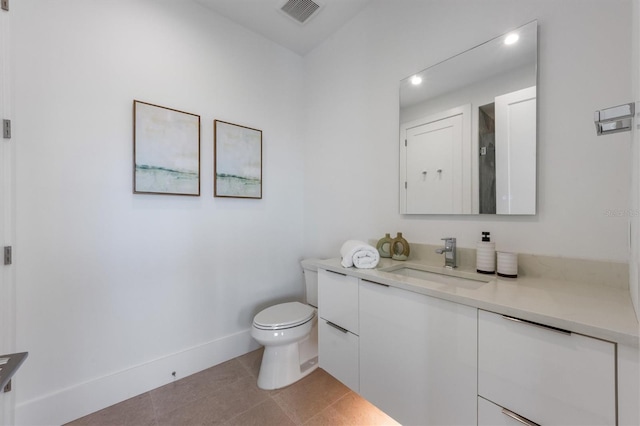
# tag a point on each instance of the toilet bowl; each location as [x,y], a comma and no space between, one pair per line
[289,334]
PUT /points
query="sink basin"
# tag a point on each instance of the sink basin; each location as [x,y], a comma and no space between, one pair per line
[455,279]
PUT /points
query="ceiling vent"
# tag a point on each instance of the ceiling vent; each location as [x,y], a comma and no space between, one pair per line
[300,10]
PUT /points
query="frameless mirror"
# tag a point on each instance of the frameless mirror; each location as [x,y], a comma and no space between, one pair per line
[468,130]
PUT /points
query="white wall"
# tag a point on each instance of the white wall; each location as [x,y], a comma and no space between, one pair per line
[116,290]
[351,159]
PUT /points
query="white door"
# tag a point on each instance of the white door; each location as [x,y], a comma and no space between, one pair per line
[430,153]
[7,277]
[516,152]
[432,163]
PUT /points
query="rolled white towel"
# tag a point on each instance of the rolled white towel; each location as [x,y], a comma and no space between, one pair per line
[359,254]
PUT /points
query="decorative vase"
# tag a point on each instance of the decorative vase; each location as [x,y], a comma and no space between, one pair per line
[399,248]
[384,246]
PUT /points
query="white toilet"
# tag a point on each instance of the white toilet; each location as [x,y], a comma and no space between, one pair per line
[289,334]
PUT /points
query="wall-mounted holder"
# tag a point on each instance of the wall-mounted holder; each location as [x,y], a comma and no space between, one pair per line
[614,119]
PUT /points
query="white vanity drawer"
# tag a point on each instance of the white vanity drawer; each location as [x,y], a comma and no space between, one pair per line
[547,376]
[338,353]
[338,299]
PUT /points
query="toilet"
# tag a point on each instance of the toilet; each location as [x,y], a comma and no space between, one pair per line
[289,334]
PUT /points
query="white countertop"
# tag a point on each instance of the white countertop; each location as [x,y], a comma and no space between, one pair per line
[594,310]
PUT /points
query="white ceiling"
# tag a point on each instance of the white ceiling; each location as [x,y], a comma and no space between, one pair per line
[265,17]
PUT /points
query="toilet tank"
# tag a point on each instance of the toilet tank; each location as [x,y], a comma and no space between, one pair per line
[311,280]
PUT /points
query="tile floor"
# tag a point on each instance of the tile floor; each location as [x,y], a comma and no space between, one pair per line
[227,394]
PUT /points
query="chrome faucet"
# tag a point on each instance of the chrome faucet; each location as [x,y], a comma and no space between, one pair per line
[449,251]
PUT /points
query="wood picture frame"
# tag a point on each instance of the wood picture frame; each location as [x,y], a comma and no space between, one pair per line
[166,150]
[238,161]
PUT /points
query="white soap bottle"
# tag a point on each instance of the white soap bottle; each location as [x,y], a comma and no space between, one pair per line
[486,255]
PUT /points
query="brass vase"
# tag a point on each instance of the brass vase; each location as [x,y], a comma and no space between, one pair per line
[400,248]
[384,246]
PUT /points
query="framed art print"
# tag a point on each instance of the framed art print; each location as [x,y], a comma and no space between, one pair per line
[166,150]
[238,161]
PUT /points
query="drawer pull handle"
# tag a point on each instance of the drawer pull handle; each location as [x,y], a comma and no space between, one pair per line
[337,327]
[535,324]
[337,273]
[518,418]
[373,282]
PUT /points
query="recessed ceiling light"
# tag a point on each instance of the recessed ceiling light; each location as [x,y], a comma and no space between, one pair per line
[511,38]
[415,80]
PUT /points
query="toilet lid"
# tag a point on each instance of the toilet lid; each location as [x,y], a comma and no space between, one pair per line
[284,315]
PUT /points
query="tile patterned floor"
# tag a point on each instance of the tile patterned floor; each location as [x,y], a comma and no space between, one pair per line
[227,394]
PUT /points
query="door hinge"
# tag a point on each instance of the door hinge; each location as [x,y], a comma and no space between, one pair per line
[405,184]
[6,129]
[5,5]
[7,255]
[405,142]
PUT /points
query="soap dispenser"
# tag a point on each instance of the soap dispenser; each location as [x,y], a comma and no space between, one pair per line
[486,255]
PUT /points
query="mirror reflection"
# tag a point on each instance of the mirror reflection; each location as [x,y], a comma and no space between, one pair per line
[468,131]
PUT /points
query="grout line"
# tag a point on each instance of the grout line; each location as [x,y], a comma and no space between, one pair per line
[284,410]
[247,410]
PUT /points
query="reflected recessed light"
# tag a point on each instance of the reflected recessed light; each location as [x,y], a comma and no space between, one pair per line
[415,80]
[511,38]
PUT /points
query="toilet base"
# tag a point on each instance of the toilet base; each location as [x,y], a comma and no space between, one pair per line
[286,364]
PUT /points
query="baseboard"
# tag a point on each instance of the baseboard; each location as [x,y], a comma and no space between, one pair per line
[85,398]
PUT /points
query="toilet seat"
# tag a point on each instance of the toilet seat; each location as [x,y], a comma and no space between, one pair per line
[284,315]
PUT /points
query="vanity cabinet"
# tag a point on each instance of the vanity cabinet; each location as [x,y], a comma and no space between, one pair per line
[545,375]
[429,361]
[418,356]
[338,326]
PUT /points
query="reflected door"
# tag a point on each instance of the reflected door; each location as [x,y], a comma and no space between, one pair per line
[431,174]
[516,152]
